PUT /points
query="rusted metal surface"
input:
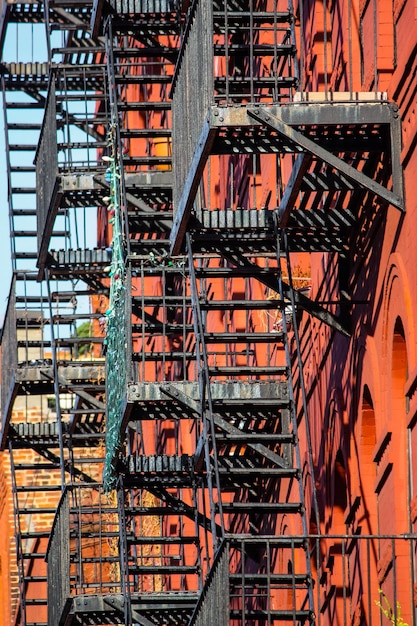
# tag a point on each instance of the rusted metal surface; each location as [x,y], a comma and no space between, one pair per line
[46,168]
[58,559]
[8,359]
[213,606]
[194,71]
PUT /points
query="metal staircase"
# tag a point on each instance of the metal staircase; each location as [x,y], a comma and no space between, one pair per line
[181,126]
[249,435]
[53,375]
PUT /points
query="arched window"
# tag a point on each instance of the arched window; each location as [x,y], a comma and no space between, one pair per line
[340,493]
[367,466]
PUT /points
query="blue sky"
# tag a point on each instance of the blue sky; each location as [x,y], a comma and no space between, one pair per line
[5,260]
[19,46]
[24,43]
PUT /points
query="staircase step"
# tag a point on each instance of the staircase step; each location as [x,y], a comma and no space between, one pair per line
[236,473]
[265,17]
[21,147]
[248,370]
[174,540]
[36,511]
[152,356]
[160,464]
[38,489]
[266,507]
[147,570]
[143,79]
[146,133]
[15,169]
[35,579]
[263,580]
[148,51]
[25,255]
[28,556]
[246,337]
[24,213]
[253,437]
[139,511]
[148,300]
[147,160]
[165,329]
[144,106]
[40,534]
[263,50]
[36,601]
[296,616]
[23,126]
[250,305]
[24,467]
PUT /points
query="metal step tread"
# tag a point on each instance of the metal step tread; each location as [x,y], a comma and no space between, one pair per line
[253,437]
[207,305]
[163,569]
[143,79]
[238,370]
[231,476]
[145,132]
[296,616]
[267,507]
[163,356]
[160,463]
[157,540]
[144,106]
[244,337]
[293,580]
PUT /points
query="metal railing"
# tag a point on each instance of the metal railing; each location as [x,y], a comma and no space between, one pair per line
[72,139]
[194,71]
[355,579]
[232,54]
[8,349]
[46,162]
[160,326]
[213,606]
[83,552]
[58,559]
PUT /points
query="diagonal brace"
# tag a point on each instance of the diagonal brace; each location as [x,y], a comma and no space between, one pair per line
[264,116]
[300,299]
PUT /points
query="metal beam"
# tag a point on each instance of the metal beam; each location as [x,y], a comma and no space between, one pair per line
[183,210]
[181,507]
[176,394]
[87,397]
[292,189]
[265,116]
[300,299]
[258,447]
[118,602]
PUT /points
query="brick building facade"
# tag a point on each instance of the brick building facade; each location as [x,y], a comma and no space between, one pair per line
[252,299]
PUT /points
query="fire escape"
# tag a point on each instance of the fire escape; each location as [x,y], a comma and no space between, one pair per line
[208,443]
[164,118]
[53,372]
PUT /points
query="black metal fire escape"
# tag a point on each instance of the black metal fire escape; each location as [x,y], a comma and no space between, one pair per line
[208,446]
[336,170]
[52,375]
[224,505]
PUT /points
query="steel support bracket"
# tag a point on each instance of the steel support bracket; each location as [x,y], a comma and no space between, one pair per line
[183,210]
[300,299]
[264,115]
